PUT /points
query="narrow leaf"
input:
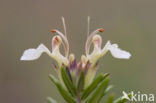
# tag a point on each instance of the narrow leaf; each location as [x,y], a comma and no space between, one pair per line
[62,91]
[51,100]
[70,86]
[94,98]
[110,99]
[108,89]
[105,92]
[93,85]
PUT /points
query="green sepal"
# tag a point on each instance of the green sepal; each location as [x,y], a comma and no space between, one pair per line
[62,91]
[51,100]
[122,100]
[110,99]
[93,85]
[80,84]
[68,83]
[96,96]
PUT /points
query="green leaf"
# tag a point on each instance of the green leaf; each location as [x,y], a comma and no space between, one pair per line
[62,91]
[51,100]
[110,99]
[108,89]
[105,92]
[80,85]
[122,100]
[93,85]
[94,98]
[68,83]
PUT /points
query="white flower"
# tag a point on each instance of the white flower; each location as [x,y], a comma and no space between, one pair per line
[88,62]
[35,53]
[93,57]
[97,52]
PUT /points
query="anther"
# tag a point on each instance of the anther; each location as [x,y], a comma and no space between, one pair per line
[101,30]
[53,31]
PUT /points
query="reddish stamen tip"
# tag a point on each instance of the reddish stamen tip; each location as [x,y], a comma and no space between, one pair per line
[101,30]
[53,31]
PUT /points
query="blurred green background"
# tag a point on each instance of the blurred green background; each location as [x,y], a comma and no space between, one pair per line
[26,23]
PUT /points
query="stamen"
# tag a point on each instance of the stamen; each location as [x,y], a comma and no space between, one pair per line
[53,31]
[88,26]
[65,41]
[64,26]
[89,39]
[101,30]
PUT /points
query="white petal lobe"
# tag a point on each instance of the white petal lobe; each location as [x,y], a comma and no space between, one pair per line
[118,53]
[33,54]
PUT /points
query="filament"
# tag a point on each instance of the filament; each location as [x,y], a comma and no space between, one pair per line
[89,38]
[66,45]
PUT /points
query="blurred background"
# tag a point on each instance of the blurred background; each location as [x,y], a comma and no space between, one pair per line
[26,23]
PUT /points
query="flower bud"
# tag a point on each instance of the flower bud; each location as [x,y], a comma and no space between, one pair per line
[72,62]
[83,59]
[71,58]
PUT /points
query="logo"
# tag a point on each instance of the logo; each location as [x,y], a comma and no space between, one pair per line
[138,97]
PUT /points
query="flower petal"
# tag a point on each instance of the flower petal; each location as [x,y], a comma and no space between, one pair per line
[105,49]
[118,53]
[33,54]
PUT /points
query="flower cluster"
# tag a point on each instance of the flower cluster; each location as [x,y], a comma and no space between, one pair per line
[88,62]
